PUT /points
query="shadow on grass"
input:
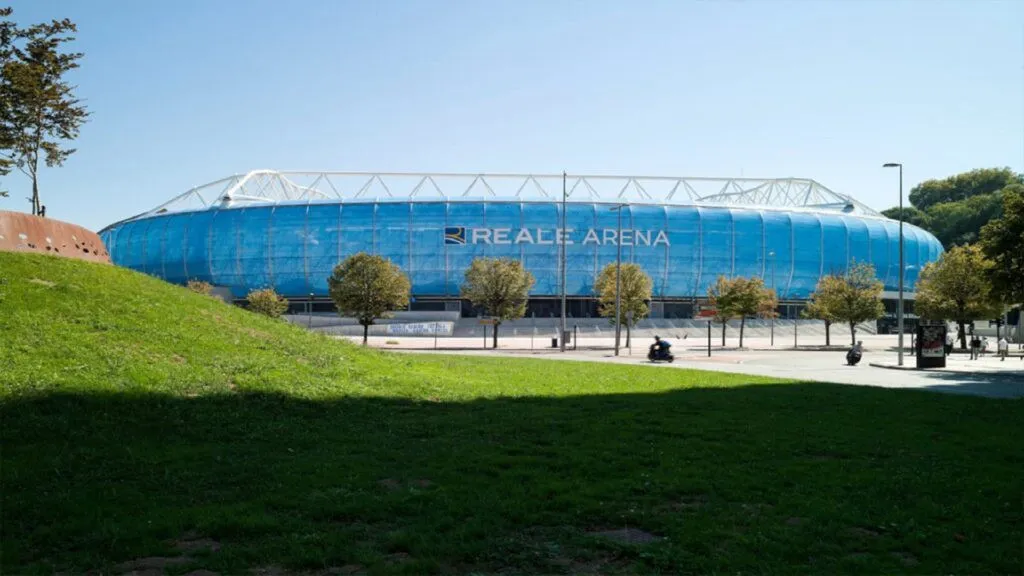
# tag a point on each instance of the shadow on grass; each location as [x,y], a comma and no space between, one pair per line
[766,478]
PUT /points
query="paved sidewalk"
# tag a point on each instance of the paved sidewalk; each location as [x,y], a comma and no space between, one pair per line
[985,377]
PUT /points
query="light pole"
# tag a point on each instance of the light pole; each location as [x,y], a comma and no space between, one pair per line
[772,256]
[618,278]
[899,304]
[561,238]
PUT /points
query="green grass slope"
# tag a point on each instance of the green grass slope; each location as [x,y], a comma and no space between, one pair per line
[148,428]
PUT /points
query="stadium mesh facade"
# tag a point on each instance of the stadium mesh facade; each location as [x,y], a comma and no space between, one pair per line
[290,237]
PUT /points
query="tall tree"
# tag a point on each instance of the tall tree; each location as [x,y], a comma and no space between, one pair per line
[636,293]
[822,299]
[1002,240]
[959,223]
[8,32]
[957,288]
[368,287]
[500,286]
[911,215]
[40,111]
[853,297]
[962,186]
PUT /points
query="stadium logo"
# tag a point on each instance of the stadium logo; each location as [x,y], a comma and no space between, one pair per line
[454,235]
[600,237]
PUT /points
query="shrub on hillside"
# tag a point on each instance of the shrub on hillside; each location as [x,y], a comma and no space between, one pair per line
[200,287]
[267,302]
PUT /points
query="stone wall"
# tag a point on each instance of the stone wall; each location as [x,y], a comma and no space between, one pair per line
[21,232]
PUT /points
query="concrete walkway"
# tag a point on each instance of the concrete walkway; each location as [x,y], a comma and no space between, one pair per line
[985,377]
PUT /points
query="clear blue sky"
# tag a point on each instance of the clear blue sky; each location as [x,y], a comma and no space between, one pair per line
[186,92]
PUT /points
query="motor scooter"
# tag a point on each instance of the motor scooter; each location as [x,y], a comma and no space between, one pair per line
[853,356]
[655,354]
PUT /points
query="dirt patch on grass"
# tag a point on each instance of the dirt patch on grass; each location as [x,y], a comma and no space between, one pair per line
[626,536]
[195,543]
[863,532]
[41,282]
[389,484]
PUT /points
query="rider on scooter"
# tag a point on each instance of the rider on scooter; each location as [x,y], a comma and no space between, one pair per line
[660,347]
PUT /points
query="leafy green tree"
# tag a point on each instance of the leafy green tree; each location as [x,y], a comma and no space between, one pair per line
[39,111]
[957,288]
[1002,240]
[911,215]
[636,293]
[962,186]
[959,223]
[368,287]
[819,306]
[267,302]
[741,298]
[500,286]
[853,297]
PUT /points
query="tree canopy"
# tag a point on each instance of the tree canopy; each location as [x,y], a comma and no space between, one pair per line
[957,288]
[500,286]
[39,112]
[741,297]
[1002,240]
[853,297]
[962,186]
[636,293]
[367,287]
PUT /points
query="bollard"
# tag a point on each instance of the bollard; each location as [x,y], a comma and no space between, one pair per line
[709,338]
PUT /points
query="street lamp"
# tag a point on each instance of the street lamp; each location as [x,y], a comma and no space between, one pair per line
[564,262]
[899,304]
[772,256]
[618,278]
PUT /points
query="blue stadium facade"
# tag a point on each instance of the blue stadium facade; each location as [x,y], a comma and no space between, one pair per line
[293,246]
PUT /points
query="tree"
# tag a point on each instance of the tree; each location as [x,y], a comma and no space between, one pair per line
[636,293]
[957,288]
[1002,241]
[962,186]
[367,287]
[39,109]
[911,215]
[818,308]
[959,223]
[722,295]
[500,286]
[741,297]
[853,297]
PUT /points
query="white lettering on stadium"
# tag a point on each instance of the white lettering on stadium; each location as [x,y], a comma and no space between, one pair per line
[600,237]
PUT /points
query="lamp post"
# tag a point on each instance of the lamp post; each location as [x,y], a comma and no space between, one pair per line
[772,256]
[618,277]
[899,304]
[564,248]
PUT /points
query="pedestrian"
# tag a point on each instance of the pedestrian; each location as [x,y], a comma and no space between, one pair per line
[1004,348]
[950,339]
[975,345]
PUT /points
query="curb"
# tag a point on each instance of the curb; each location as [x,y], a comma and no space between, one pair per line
[941,370]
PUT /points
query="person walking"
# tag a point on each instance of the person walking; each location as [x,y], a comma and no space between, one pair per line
[975,345]
[1004,348]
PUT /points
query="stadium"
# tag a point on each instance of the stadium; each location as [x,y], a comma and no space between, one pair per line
[287,230]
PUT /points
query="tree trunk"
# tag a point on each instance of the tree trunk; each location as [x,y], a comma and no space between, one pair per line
[853,334]
[366,332]
[723,333]
[743,321]
[627,334]
[962,335]
[495,336]
[828,337]
[35,195]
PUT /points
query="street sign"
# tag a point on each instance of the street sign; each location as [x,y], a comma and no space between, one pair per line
[488,321]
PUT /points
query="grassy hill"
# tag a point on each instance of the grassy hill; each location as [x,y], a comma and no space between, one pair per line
[148,428]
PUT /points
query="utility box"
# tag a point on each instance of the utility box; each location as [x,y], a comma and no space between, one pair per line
[931,344]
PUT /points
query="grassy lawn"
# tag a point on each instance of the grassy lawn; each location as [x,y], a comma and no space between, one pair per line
[143,425]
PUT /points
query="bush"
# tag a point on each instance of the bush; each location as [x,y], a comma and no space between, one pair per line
[200,287]
[267,302]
